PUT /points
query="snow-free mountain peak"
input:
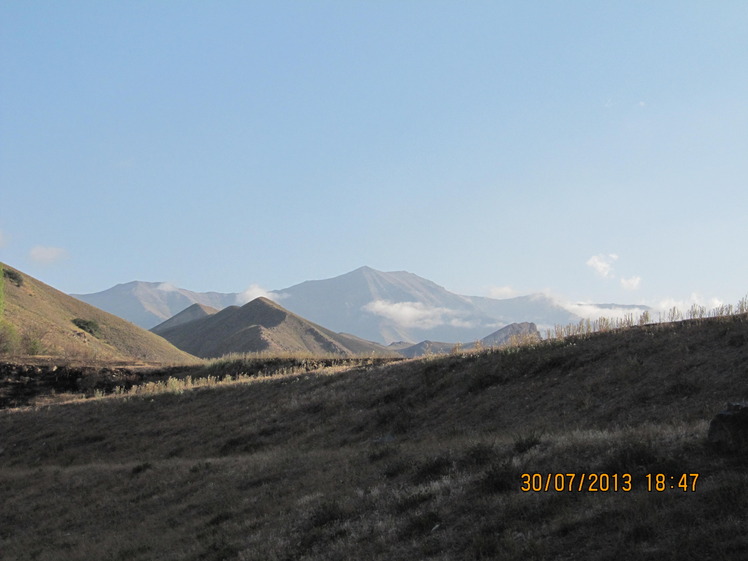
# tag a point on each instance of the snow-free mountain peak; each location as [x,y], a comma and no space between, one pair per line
[371,304]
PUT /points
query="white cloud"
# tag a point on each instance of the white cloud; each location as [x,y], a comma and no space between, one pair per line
[416,314]
[47,255]
[501,292]
[256,291]
[603,264]
[685,304]
[631,283]
[595,311]
[167,287]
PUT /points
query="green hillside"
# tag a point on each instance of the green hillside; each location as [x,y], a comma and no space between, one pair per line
[39,320]
[420,459]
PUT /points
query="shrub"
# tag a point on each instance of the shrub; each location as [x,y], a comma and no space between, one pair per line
[9,339]
[523,443]
[13,276]
[88,325]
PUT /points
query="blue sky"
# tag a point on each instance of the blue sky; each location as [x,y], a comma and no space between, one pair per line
[593,150]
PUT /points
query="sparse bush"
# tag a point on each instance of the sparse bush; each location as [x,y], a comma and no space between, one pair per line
[31,341]
[88,325]
[140,468]
[523,443]
[13,276]
[500,477]
[433,468]
[479,454]
[9,338]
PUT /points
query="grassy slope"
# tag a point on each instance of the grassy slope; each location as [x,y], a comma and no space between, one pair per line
[46,313]
[420,459]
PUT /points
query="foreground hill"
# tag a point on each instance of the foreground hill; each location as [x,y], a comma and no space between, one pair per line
[259,326]
[421,459]
[45,321]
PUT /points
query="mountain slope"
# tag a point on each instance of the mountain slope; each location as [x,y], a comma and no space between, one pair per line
[149,303]
[44,317]
[495,339]
[260,325]
[196,311]
[401,306]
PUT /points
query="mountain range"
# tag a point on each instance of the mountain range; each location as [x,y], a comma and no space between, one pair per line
[384,307]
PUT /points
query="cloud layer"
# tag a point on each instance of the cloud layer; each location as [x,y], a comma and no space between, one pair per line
[255,291]
[47,255]
[416,314]
[501,292]
[603,264]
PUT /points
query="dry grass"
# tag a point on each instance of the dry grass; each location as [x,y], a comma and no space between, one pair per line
[44,320]
[418,459]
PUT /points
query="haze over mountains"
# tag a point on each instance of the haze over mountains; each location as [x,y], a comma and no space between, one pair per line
[384,307]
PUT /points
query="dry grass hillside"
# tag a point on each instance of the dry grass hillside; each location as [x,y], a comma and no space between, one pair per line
[40,320]
[418,459]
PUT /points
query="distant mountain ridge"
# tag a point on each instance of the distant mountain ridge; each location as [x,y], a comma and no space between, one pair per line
[374,305]
[149,303]
[259,326]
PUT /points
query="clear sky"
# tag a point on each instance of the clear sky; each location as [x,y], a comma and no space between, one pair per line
[596,150]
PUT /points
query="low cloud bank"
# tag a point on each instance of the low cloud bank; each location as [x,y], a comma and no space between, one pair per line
[417,314]
[596,311]
[256,291]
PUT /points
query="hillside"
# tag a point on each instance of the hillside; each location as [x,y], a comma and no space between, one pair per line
[259,326]
[422,459]
[194,312]
[45,321]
